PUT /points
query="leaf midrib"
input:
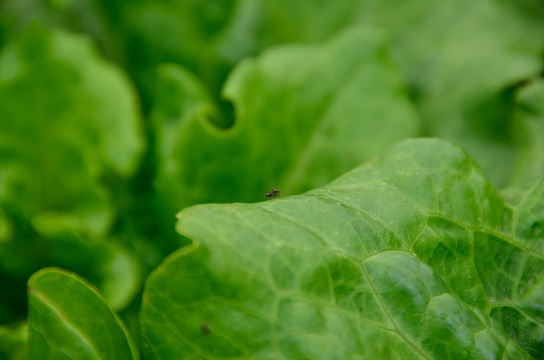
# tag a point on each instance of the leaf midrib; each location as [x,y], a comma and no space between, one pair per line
[56,309]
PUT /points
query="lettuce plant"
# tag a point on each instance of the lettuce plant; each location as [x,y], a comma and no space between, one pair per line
[414,255]
[372,118]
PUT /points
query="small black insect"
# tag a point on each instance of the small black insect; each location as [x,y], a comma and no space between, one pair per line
[205,329]
[274,192]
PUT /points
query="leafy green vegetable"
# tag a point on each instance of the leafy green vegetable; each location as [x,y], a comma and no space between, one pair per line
[106,264]
[412,256]
[459,66]
[82,146]
[206,37]
[304,115]
[69,130]
[68,319]
[462,71]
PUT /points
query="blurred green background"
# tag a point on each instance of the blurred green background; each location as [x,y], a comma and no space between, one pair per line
[115,115]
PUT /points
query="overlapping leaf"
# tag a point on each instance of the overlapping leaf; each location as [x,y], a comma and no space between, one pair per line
[412,256]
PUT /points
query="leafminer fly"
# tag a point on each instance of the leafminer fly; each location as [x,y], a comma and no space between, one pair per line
[274,192]
[205,329]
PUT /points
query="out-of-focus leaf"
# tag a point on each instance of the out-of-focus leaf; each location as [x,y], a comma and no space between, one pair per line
[461,70]
[192,33]
[463,58]
[304,115]
[69,118]
[69,319]
[411,256]
[467,71]
[13,341]
[69,125]
[6,227]
[74,15]
[530,126]
[106,264]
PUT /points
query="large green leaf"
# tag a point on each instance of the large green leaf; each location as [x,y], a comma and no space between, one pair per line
[412,256]
[69,319]
[304,115]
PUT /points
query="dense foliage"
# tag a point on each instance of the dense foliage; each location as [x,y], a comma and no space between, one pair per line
[384,243]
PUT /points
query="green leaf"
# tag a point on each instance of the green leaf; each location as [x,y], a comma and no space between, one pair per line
[530,126]
[69,319]
[523,319]
[13,341]
[69,129]
[412,256]
[304,115]
[72,121]
[462,71]
[216,35]
[109,266]
[105,263]
[6,227]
